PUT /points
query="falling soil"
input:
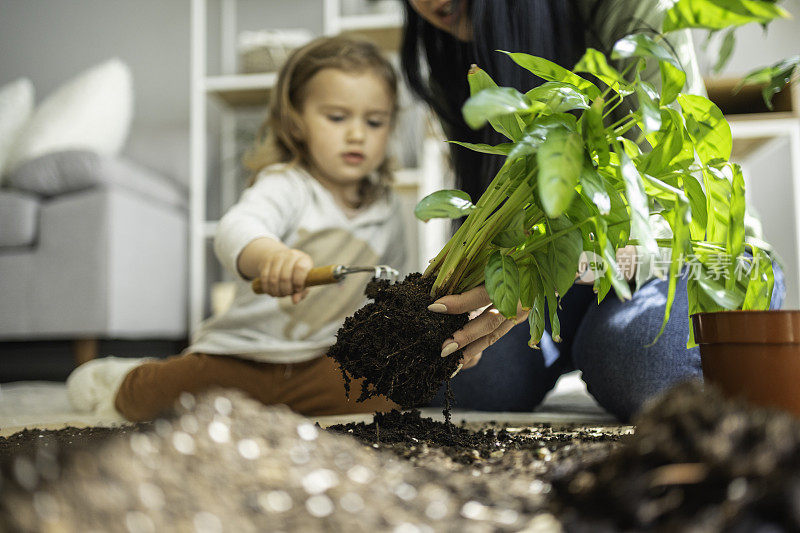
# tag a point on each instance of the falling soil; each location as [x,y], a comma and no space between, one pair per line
[395,343]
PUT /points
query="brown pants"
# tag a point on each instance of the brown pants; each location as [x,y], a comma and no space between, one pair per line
[312,388]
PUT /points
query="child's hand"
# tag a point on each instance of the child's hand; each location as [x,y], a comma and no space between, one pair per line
[284,272]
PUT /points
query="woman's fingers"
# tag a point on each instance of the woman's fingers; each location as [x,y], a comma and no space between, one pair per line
[474,360]
[456,304]
[482,342]
[481,331]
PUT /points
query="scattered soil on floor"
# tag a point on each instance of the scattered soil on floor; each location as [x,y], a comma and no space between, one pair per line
[53,444]
[491,448]
[223,462]
[395,343]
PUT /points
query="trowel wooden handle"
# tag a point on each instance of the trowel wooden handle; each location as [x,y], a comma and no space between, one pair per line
[316,276]
[322,275]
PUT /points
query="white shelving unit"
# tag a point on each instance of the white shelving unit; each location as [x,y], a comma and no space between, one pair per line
[760,130]
[235,91]
[766,143]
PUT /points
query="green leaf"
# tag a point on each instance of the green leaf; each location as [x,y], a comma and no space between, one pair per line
[479,81]
[774,77]
[536,319]
[716,291]
[718,198]
[502,283]
[492,104]
[720,14]
[536,133]
[630,147]
[594,62]
[618,220]
[667,144]
[608,253]
[563,253]
[594,188]
[697,204]
[725,50]
[444,204]
[680,220]
[672,81]
[560,160]
[760,284]
[649,107]
[500,149]
[637,200]
[557,97]
[551,297]
[527,283]
[550,71]
[593,132]
[735,245]
[707,127]
[644,46]
[514,234]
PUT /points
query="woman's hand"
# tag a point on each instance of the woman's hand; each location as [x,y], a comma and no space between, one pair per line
[284,272]
[485,327]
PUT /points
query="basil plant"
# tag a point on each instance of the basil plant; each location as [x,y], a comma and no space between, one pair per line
[575,179]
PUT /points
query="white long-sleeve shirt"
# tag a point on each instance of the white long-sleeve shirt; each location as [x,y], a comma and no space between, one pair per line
[288,205]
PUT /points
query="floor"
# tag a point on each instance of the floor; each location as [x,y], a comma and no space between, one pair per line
[44,404]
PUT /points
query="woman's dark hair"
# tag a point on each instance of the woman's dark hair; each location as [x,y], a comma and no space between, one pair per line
[552,29]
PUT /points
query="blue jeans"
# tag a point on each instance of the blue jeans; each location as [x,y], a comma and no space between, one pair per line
[608,342]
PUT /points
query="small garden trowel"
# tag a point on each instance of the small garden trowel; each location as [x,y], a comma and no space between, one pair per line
[333,273]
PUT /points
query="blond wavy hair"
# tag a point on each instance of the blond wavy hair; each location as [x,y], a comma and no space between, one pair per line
[277,141]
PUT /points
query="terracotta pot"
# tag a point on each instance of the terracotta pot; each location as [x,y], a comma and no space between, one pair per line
[753,355]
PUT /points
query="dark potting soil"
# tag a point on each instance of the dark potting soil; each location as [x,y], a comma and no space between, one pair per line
[395,343]
[697,462]
[410,435]
[31,443]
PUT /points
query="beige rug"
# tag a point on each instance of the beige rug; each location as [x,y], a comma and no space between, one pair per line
[44,404]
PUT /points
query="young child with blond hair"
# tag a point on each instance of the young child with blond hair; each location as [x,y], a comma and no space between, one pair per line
[320,195]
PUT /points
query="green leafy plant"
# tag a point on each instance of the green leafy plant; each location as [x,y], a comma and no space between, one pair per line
[581,176]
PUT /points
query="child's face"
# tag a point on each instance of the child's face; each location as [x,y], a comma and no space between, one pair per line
[346,120]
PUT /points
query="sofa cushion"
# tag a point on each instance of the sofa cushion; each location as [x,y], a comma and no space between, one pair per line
[90,112]
[16,106]
[19,218]
[58,173]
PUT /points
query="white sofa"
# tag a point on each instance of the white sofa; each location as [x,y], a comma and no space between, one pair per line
[92,247]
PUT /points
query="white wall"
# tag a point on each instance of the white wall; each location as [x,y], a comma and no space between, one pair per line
[50,41]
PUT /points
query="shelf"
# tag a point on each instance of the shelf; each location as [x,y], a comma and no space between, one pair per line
[242,90]
[371,22]
[384,29]
[406,179]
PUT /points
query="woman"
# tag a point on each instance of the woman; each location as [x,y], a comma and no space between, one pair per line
[609,342]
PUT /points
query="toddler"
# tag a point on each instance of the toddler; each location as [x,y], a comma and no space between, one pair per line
[320,195]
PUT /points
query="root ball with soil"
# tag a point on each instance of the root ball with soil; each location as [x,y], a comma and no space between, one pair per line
[395,343]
